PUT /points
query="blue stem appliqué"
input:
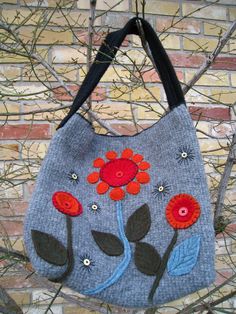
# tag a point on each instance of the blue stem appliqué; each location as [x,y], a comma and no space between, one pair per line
[120,269]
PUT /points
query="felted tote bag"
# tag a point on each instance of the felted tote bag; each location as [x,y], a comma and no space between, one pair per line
[125,219]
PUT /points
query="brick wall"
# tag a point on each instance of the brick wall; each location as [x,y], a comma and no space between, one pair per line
[28,86]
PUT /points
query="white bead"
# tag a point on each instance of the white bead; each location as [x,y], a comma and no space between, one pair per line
[184,155]
[74,176]
[94,207]
[160,188]
[86,262]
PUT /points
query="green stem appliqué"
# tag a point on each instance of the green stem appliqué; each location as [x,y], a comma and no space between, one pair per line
[120,269]
[163,265]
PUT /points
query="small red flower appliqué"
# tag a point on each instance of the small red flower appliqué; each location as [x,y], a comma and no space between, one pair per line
[182,211]
[66,203]
[127,170]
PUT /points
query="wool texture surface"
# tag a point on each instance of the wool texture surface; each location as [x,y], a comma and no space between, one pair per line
[169,158]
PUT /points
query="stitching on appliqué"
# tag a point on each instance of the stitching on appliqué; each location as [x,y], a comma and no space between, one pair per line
[185,154]
[161,190]
[116,173]
[73,177]
[66,203]
[182,211]
[94,208]
[87,263]
[124,174]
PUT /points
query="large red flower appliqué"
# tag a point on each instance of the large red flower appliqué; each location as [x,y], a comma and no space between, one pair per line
[127,170]
[182,211]
[67,203]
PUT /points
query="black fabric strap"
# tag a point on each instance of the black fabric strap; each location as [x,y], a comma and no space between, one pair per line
[107,53]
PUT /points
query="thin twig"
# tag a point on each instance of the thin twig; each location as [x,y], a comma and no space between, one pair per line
[7,304]
[39,59]
[53,299]
[191,306]
[90,45]
[211,58]
[225,179]
[15,254]
[201,307]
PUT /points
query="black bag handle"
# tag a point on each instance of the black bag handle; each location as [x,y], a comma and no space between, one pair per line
[107,53]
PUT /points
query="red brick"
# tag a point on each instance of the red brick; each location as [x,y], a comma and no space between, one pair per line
[19,281]
[200,113]
[13,208]
[11,228]
[230,231]
[3,263]
[186,60]
[231,228]
[99,94]
[152,76]
[98,38]
[129,128]
[61,94]
[25,131]
[83,38]
[224,63]
[222,276]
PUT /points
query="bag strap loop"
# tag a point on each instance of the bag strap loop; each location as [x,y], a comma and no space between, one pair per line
[107,53]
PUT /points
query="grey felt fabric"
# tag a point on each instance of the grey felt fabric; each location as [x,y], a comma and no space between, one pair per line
[73,148]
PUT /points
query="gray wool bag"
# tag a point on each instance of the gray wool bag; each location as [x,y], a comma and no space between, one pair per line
[125,219]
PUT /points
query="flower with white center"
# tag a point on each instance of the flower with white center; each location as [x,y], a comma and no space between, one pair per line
[185,155]
[86,262]
[94,207]
[73,177]
[161,190]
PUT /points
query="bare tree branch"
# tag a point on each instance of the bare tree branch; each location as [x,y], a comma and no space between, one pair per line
[53,299]
[17,260]
[39,59]
[188,309]
[90,44]
[224,180]
[7,304]
[211,58]
[14,254]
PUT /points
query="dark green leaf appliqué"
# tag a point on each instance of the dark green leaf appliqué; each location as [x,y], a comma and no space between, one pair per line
[108,243]
[49,248]
[147,259]
[138,224]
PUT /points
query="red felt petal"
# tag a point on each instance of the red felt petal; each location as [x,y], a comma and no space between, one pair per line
[111,155]
[93,177]
[98,163]
[144,165]
[117,194]
[127,153]
[102,187]
[133,188]
[143,177]
[137,158]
